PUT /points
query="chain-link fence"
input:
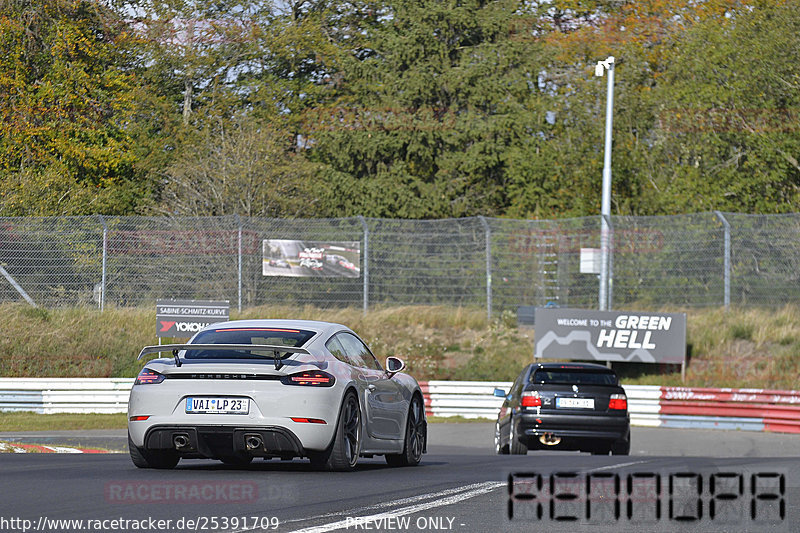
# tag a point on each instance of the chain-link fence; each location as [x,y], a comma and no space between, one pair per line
[706,259]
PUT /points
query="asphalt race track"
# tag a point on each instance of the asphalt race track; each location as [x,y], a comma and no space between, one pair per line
[674,480]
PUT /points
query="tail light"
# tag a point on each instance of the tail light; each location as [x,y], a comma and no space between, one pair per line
[531,399]
[148,377]
[313,378]
[300,420]
[618,401]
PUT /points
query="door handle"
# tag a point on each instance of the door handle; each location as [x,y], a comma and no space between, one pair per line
[371,388]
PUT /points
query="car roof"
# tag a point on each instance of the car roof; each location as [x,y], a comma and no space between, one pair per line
[571,366]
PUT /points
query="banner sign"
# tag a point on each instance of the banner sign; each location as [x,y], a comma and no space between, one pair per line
[184,318]
[336,259]
[627,336]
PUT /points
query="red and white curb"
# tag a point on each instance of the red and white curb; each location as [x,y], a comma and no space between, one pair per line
[17,447]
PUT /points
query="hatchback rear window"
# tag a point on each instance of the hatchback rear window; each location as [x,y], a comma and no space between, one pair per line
[295,338]
[574,377]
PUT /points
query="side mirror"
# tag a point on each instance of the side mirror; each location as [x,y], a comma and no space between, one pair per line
[500,393]
[394,365]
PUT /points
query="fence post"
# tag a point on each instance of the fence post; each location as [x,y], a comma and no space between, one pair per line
[366,262]
[488,233]
[610,262]
[105,255]
[727,261]
[239,259]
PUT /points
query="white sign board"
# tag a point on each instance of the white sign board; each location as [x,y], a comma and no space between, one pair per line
[590,260]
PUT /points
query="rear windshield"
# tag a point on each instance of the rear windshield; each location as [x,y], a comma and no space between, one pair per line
[574,376]
[273,336]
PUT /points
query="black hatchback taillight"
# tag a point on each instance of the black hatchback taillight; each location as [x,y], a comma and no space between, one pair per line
[618,401]
[148,377]
[312,378]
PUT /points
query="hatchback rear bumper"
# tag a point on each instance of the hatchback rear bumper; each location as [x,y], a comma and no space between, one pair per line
[594,427]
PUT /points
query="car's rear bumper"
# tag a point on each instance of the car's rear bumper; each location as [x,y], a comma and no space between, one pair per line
[223,441]
[594,427]
[271,405]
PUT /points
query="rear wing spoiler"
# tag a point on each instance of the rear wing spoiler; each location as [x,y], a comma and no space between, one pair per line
[278,352]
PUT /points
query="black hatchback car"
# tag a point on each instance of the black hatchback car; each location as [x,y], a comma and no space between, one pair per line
[564,406]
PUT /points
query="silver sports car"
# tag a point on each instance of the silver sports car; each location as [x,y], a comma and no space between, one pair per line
[274,388]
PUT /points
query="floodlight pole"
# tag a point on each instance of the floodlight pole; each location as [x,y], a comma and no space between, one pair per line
[605,206]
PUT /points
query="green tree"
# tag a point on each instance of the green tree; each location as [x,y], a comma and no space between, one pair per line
[220,69]
[243,168]
[681,139]
[427,113]
[196,50]
[726,132]
[68,85]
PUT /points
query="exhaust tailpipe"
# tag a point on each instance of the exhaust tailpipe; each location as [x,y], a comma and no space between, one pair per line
[548,439]
[253,442]
[180,441]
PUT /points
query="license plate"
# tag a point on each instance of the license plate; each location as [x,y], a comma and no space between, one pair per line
[575,403]
[217,405]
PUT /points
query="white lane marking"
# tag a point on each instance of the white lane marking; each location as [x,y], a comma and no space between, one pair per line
[620,465]
[451,496]
[393,503]
[460,492]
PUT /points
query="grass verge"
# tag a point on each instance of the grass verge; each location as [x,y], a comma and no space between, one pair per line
[750,348]
[26,421]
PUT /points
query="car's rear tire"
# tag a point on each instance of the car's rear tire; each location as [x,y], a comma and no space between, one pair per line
[621,447]
[415,437]
[151,459]
[514,445]
[498,448]
[342,454]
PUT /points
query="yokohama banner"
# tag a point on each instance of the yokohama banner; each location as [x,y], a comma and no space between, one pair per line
[610,336]
[184,318]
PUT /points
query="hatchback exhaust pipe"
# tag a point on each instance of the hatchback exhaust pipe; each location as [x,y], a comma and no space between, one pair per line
[253,442]
[548,439]
[180,441]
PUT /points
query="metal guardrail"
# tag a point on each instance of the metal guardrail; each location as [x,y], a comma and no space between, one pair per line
[65,395]
[648,405]
[475,399]
[653,406]
[469,399]
[757,409]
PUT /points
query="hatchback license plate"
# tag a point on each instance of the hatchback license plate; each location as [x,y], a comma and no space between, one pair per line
[579,403]
[225,406]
